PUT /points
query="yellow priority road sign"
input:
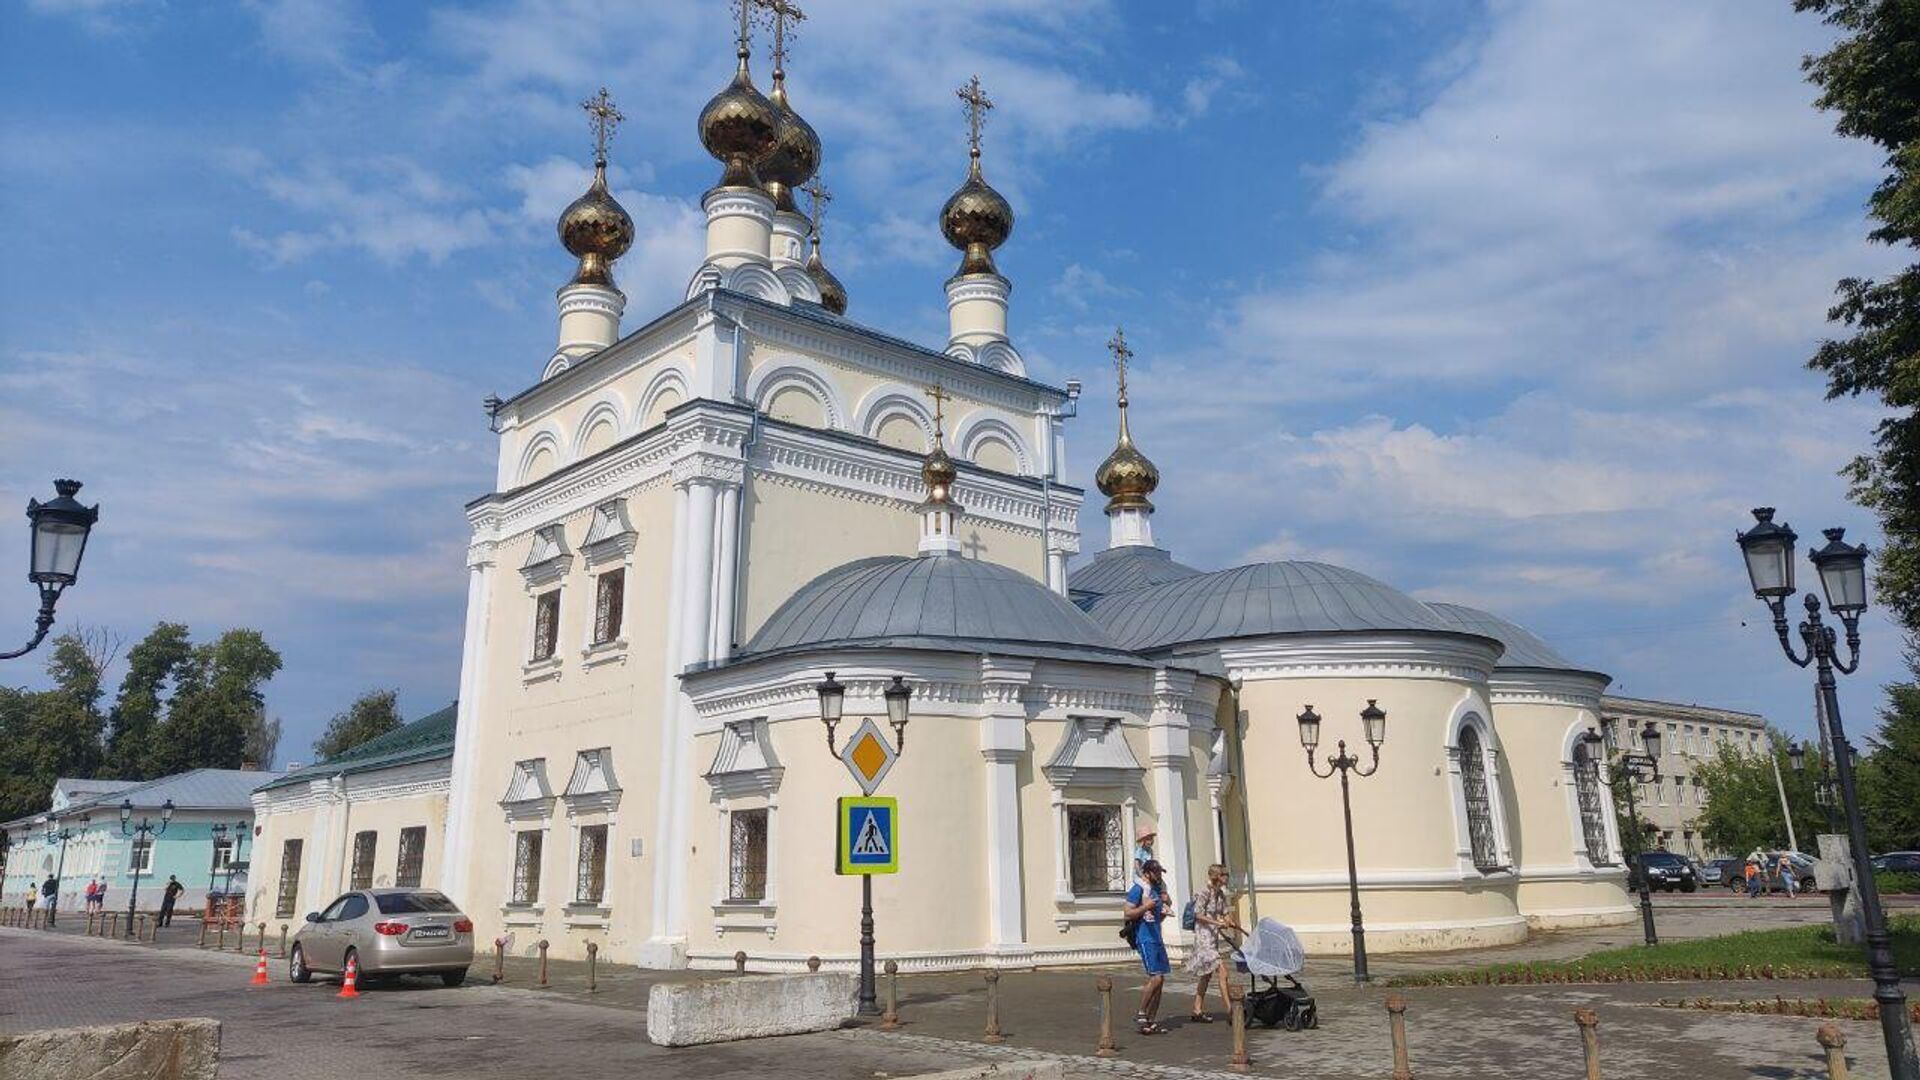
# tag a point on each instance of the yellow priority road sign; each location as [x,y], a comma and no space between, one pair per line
[869,835]
[868,756]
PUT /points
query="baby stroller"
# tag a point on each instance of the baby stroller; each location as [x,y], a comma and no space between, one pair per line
[1272,953]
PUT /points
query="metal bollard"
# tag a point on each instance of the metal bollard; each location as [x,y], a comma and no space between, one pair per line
[240,929]
[1238,1000]
[283,941]
[1834,1042]
[153,931]
[262,943]
[1397,1021]
[1105,986]
[90,915]
[140,927]
[543,961]
[890,1019]
[813,963]
[1589,1023]
[115,930]
[203,935]
[740,962]
[993,1008]
[593,957]
[499,959]
[220,939]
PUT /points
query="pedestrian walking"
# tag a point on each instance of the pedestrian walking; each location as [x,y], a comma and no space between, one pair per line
[1146,910]
[33,897]
[50,895]
[100,898]
[1212,913]
[1143,848]
[1788,880]
[168,896]
[93,896]
[1755,880]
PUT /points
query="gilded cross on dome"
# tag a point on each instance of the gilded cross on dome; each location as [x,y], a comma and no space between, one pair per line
[743,40]
[605,119]
[1117,345]
[784,12]
[817,199]
[977,104]
[939,396]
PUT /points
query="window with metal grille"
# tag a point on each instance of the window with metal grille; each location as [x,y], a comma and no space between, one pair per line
[140,859]
[747,855]
[546,624]
[289,879]
[590,883]
[413,857]
[526,866]
[1473,778]
[1593,823]
[1097,859]
[609,604]
[363,845]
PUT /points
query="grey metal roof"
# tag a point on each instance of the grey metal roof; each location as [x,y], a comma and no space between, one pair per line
[1525,649]
[1122,568]
[195,789]
[935,601]
[1252,601]
[424,739]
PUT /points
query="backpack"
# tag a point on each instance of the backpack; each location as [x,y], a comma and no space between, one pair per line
[1186,917]
[1130,933]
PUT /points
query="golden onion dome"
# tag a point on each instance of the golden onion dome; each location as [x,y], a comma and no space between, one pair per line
[939,471]
[976,219]
[1126,478]
[833,295]
[740,127]
[596,229]
[796,151]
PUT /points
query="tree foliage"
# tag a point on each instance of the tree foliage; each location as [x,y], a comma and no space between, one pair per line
[1871,79]
[1889,775]
[371,715]
[1743,802]
[47,734]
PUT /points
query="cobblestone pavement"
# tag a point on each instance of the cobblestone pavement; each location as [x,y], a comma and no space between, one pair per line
[292,1032]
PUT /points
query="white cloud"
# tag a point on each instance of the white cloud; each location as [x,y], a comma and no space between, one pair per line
[1214,75]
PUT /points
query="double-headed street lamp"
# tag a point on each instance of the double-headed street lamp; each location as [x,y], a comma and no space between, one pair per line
[59,530]
[1768,549]
[240,832]
[213,858]
[1824,792]
[62,834]
[145,831]
[1634,769]
[833,696]
[1373,721]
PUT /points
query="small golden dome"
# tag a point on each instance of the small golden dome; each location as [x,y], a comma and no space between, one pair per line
[1126,478]
[976,219]
[595,229]
[796,152]
[939,471]
[833,295]
[740,127]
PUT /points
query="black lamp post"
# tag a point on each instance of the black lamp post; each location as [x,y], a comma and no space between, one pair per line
[1374,722]
[59,529]
[213,858]
[63,834]
[1823,792]
[833,697]
[145,831]
[240,832]
[1634,769]
[1768,550]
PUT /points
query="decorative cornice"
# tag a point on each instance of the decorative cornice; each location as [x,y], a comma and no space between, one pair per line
[1348,655]
[1578,690]
[709,468]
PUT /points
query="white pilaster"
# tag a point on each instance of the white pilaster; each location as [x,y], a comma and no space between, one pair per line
[1130,526]
[1169,745]
[1003,743]
[726,573]
[660,950]
[462,800]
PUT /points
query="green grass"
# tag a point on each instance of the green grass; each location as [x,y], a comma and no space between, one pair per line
[1797,952]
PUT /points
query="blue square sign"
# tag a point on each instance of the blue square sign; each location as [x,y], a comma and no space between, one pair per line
[869,835]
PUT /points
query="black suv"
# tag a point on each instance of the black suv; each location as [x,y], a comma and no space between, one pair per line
[1664,872]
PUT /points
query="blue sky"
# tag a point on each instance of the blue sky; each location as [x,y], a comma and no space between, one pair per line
[1504,303]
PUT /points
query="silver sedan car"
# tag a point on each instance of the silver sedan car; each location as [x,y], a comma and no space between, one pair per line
[390,932]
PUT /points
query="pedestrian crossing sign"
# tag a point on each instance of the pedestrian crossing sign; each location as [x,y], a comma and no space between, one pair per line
[869,835]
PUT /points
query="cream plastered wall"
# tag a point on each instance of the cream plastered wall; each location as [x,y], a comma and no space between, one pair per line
[613,701]
[1559,884]
[1415,894]
[795,533]
[632,397]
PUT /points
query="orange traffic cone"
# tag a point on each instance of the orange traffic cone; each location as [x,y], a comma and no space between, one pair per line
[260,970]
[352,976]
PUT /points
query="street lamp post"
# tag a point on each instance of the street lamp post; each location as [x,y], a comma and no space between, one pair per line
[213,858]
[1631,766]
[1768,550]
[145,831]
[59,529]
[1823,792]
[239,838]
[63,834]
[1374,722]
[833,696]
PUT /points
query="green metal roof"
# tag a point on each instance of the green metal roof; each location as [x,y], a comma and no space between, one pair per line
[425,739]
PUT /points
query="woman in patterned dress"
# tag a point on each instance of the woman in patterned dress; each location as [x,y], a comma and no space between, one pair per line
[1212,914]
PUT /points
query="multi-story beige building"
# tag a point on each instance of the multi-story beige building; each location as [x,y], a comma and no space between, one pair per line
[1690,735]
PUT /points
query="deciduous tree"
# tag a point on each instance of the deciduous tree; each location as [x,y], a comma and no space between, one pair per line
[372,714]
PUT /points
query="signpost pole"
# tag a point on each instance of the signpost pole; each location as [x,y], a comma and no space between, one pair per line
[869,1006]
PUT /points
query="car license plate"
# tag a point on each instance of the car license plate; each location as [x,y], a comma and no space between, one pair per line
[430,932]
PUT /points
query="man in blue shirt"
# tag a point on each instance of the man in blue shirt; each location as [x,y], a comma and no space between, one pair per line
[1147,904]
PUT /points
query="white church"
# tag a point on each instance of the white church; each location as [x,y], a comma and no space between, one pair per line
[699,515]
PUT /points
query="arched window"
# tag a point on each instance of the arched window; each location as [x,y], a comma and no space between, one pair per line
[1586,790]
[1473,780]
